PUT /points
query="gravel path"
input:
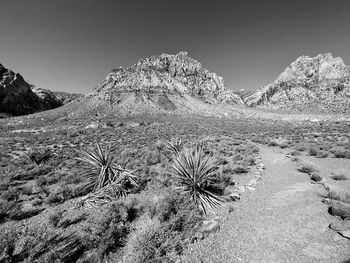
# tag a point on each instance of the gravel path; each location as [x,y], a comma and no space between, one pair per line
[283,220]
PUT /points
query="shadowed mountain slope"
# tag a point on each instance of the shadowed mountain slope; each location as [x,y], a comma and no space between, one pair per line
[18,97]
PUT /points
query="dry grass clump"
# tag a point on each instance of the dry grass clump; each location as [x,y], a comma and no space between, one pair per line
[39,156]
[340,175]
[308,168]
[162,236]
[338,193]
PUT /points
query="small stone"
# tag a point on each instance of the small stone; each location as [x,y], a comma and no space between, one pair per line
[316,177]
[241,189]
[235,196]
[250,188]
[345,233]
[340,209]
[340,226]
[253,182]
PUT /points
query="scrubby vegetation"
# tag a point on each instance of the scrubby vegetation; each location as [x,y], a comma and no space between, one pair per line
[141,192]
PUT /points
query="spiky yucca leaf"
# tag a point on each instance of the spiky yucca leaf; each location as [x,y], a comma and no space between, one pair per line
[170,148]
[107,179]
[194,171]
[100,164]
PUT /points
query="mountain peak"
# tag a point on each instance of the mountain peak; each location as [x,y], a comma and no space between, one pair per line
[162,78]
[309,83]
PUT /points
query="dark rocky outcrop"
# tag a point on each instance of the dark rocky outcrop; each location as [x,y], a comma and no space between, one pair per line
[318,84]
[18,97]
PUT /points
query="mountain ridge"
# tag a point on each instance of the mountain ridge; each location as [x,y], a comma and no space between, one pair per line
[160,83]
[320,83]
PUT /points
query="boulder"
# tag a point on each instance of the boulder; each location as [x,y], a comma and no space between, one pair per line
[345,233]
[208,228]
[340,226]
[340,209]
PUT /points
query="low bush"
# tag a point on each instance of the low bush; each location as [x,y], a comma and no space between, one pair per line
[39,156]
[308,168]
[55,217]
[10,195]
[340,175]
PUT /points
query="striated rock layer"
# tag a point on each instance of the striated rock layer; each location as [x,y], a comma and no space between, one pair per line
[164,82]
[318,84]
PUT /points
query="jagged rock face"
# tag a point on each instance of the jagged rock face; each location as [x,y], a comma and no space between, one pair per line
[48,97]
[65,97]
[321,83]
[156,80]
[18,98]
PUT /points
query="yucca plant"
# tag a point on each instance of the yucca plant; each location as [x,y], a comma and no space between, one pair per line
[194,172]
[104,177]
[170,148]
[39,156]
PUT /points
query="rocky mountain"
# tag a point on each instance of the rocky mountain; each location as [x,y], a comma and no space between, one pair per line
[18,97]
[48,97]
[164,82]
[65,97]
[309,84]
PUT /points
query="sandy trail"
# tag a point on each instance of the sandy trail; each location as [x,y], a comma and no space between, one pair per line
[283,220]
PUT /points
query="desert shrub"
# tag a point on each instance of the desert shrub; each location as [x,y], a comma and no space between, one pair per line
[39,156]
[41,181]
[11,194]
[113,225]
[301,147]
[42,245]
[33,173]
[71,221]
[164,237]
[240,169]
[19,214]
[27,189]
[272,143]
[313,151]
[8,240]
[248,161]
[54,198]
[194,171]
[340,153]
[55,217]
[340,175]
[6,208]
[283,144]
[308,168]
[336,193]
[153,158]
[153,243]
[295,153]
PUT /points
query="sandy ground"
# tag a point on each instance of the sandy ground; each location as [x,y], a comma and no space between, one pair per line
[283,220]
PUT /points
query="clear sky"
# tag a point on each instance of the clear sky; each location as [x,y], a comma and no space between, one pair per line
[71,45]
